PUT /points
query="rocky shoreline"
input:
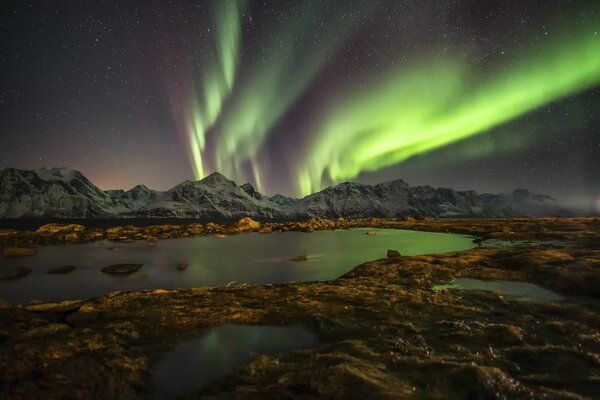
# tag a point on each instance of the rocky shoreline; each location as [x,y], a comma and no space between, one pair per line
[385,333]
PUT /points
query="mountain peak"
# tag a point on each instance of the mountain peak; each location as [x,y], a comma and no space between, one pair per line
[215,179]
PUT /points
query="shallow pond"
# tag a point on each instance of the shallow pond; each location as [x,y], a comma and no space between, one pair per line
[253,258]
[193,364]
[520,290]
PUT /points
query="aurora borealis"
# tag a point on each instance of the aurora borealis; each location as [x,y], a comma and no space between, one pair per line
[293,96]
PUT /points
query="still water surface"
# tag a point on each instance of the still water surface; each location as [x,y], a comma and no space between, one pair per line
[520,290]
[193,364]
[253,258]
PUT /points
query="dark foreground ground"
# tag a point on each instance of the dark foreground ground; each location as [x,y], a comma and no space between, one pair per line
[385,334]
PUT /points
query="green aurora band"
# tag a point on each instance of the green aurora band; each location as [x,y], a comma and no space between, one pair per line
[276,82]
[435,101]
[216,81]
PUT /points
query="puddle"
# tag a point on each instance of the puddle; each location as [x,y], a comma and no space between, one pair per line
[193,364]
[521,290]
[253,258]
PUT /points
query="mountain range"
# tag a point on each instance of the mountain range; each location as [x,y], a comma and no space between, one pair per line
[67,193]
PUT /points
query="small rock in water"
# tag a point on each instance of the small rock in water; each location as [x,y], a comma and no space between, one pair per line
[65,269]
[220,236]
[181,266]
[393,253]
[300,258]
[18,251]
[122,269]
[371,233]
[14,272]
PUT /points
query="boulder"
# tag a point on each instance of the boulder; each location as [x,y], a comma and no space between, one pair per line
[121,269]
[393,253]
[19,251]
[65,269]
[14,272]
[247,224]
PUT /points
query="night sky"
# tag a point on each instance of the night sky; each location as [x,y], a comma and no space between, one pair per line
[293,96]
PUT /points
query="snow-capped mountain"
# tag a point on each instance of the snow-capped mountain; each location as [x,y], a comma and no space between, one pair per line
[55,192]
[212,197]
[66,193]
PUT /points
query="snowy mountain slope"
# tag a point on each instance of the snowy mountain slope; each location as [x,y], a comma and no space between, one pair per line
[56,192]
[135,198]
[64,193]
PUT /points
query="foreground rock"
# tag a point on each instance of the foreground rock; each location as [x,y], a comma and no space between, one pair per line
[386,334]
[14,272]
[122,269]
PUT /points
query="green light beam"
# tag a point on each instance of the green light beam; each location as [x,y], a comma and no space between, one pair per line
[418,108]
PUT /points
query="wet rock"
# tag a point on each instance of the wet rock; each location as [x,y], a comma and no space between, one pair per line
[393,253]
[19,251]
[371,233]
[181,266]
[220,236]
[300,258]
[121,269]
[265,229]
[60,228]
[195,229]
[14,272]
[65,269]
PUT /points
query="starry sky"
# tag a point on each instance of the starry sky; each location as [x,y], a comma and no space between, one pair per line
[294,96]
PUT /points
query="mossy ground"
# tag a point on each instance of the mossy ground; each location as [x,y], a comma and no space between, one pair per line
[384,333]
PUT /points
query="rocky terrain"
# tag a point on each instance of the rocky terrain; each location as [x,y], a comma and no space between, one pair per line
[385,333]
[66,193]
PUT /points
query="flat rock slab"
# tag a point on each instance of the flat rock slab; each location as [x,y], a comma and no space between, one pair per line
[65,269]
[18,251]
[14,272]
[122,269]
